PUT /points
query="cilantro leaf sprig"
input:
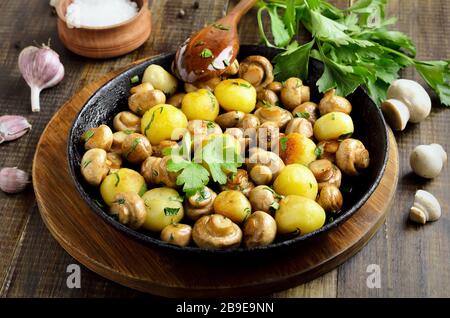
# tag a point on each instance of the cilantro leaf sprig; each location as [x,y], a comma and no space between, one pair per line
[355,45]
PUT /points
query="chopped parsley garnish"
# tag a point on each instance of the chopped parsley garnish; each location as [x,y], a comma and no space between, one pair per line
[88,135]
[117,179]
[86,163]
[171,211]
[283,143]
[206,53]
[221,27]
[136,142]
[318,151]
[134,79]
[305,115]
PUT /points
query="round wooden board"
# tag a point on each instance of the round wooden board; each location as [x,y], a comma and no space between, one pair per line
[116,256]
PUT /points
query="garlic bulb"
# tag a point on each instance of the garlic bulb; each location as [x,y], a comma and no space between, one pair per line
[13,127]
[41,68]
[13,180]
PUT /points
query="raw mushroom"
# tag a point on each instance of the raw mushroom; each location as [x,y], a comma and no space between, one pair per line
[154,170]
[352,156]
[396,113]
[333,103]
[127,121]
[229,119]
[129,207]
[291,93]
[177,234]
[275,114]
[175,100]
[413,96]
[330,198]
[425,208]
[301,126]
[94,166]
[260,229]
[263,198]
[306,110]
[238,181]
[326,173]
[142,101]
[216,232]
[200,204]
[427,161]
[100,137]
[260,157]
[257,70]
[136,148]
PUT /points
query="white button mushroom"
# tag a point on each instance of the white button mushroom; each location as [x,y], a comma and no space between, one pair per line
[411,94]
[425,208]
[427,160]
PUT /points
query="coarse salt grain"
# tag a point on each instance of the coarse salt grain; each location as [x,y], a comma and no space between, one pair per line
[99,13]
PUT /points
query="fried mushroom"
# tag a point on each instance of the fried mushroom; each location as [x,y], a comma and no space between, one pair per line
[200,204]
[260,229]
[257,70]
[94,166]
[129,207]
[216,232]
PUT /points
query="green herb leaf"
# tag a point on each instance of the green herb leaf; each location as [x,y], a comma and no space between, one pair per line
[120,201]
[117,179]
[275,205]
[88,135]
[171,211]
[283,143]
[221,27]
[134,79]
[293,63]
[305,115]
[437,75]
[206,53]
[135,143]
[318,152]
[128,131]
[86,163]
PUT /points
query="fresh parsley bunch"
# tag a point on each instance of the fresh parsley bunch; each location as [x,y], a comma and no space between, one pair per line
[355,45]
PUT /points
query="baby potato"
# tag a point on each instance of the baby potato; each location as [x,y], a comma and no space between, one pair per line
[160,79]
[163,122]
[164,206]
[299,215]
[296,179]
[124,180]
[333,125]
[236,94]
[201,104]
[234,205]
[296,148]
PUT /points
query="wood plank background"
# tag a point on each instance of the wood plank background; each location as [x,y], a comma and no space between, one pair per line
[414,260]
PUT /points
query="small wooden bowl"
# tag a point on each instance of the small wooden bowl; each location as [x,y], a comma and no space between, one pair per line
[105,42]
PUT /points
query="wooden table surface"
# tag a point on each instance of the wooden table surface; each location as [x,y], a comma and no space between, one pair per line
[414,261]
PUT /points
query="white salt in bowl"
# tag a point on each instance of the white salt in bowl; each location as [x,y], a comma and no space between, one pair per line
[105,42]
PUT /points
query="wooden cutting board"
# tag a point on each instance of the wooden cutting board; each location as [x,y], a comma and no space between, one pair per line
[116,256]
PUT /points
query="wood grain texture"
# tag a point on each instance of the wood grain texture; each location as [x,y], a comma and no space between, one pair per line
[414,260]
[122,259]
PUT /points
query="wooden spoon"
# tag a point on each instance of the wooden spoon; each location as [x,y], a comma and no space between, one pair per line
[210,51]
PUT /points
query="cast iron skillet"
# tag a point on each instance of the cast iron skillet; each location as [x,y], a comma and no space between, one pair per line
[110,99]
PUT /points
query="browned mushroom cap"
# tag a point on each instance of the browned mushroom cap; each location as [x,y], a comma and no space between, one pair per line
[142,88]
[249,121]
[136,148]
[231,70]
[326,173]
[327,149]
[129,207]
[154,170]
[238,134]
[275,114]
[216,232]
[209,85]
[267,97]
[238,181]
[260,229]
[198,127]
[352,156]
[306,94]
[333,103]
[118,138]
[275,87]
[175,100]
[229,119]
[261,174]
[257,70]
[114,161]
[291,93]
[100,137]
[330,199]
[177,234]
[127,121]
[264,198]
[268,136]
[301,126]
[140,102]
[200,204]
[158,150]
[94,166]
[258,156]
[307,110]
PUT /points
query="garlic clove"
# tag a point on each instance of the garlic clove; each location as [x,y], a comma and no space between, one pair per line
[425,208]
[13,180]
[13,127]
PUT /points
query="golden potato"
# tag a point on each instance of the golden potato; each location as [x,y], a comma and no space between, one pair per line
[296,179]
[298,215]
[236,94]
[160,79]
[164,206]
[124,180]
[234,205]
[201,104]
[163,122]
[333,126]
[296,148]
